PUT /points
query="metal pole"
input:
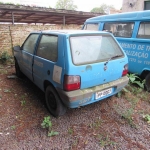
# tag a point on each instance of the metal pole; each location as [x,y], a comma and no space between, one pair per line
[64,21]
[12,18]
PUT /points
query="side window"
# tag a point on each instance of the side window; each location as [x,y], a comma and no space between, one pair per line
[48,47]
[144,30]
[29,44]
[120,29]
[93,26]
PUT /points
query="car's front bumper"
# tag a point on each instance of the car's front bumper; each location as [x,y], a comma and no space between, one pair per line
[83,97]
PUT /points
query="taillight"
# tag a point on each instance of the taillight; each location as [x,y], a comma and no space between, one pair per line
[71,83]
[125,70]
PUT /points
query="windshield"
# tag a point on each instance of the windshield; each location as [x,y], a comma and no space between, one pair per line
[95,48]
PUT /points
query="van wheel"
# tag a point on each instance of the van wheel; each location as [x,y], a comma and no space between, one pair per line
[147,82]
[18,71]
[53,102]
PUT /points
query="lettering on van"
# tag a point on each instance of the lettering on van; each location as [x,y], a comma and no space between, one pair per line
[134,46]
[137,53]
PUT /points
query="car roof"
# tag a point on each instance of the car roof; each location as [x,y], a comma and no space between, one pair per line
[68,32]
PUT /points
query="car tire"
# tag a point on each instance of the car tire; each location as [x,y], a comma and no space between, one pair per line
[54,103]
[18,71]
[147,82]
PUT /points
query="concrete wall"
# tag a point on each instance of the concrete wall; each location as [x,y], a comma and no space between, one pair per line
[132,5]
[11,35]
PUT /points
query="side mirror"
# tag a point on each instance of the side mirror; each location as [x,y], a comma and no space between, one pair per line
[16,48]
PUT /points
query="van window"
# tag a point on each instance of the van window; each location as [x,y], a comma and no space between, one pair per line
[120,29]
[48,47]
[144,30]
[91,49]
[93,26]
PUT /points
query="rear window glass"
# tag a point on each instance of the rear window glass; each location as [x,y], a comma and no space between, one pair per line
[93,26]
[120,29]
[91,49]
[144,30]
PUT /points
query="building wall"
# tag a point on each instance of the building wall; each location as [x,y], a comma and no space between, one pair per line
[132,5]
[11,35]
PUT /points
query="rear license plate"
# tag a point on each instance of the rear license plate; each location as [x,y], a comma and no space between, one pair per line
[103,93]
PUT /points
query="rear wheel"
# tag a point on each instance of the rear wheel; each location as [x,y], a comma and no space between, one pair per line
[147,82]
[18,71]
[53,102]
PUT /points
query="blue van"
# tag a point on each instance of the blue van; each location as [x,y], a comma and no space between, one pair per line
[74,68]
[132,31]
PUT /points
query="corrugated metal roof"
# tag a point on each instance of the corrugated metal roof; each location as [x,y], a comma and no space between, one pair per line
[26,14]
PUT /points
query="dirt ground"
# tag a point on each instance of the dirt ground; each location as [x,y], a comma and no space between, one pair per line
[112,124]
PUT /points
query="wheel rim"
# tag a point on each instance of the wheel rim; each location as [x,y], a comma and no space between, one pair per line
[52,101]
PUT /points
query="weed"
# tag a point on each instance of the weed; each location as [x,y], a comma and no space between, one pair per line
[127,115]
[122,92]
[4,57]
[147,118]
[134,79]
[48,124]
[105,141]
[70,131]
[52,133]
[23,102]
[96,124]
[13,127]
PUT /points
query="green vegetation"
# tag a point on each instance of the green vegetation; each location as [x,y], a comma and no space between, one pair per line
[48,124]
[105,140]
[134,79]
[4,57]
[147,118]
[102,8]
[65,4]
[70,131]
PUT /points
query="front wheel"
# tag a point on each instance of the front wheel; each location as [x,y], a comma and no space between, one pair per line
[147,82]
[53,102]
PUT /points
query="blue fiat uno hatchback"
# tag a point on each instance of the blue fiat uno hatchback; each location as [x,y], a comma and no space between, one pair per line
[73,67]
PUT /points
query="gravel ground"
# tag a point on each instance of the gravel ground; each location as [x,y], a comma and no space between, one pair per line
[111,124]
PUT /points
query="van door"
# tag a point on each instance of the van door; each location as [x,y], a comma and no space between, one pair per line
[27,54]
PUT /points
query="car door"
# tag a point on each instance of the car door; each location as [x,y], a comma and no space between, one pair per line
[45,58]
[27,54]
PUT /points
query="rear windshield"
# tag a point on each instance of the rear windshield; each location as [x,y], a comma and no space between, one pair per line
[92,49]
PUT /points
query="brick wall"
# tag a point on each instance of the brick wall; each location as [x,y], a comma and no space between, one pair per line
[11,35]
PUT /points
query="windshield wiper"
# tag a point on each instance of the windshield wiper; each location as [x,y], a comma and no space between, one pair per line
[111,59]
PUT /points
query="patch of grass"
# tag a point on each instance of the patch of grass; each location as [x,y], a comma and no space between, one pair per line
[128,115]
[105,140]
[96,124]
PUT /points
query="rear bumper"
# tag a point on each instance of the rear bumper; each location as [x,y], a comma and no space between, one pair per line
[83,97]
